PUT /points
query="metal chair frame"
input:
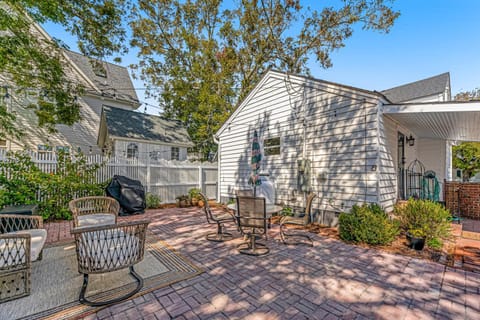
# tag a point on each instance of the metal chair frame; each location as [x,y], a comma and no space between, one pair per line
[220,235]
[252,221]
[294,237]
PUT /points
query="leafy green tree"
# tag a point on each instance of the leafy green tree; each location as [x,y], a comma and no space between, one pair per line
[29,61]
[205,55]
[466,156]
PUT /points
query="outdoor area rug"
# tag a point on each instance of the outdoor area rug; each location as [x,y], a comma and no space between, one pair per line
[56,282]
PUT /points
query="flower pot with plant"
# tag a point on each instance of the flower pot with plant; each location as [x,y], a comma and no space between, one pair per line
[424,221]
[194,195]
[182,201]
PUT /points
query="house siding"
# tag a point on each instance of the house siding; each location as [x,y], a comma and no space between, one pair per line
[145,148]
[340,141]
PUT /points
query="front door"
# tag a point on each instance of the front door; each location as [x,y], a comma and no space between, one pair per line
[401,166]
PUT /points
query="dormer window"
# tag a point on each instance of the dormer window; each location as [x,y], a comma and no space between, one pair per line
[99,69]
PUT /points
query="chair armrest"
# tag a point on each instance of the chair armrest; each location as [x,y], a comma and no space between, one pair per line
[17,222]
[14,251]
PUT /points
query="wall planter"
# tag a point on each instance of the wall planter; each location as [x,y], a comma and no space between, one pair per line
[416,243]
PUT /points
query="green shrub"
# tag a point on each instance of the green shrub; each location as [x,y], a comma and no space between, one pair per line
[22,182]
[425,218]
[286,211]
[153,201]
[367,224]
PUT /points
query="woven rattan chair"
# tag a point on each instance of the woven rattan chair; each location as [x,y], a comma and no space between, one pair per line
[295,237]
[109,248]
[94,211]
[21,242]
[218,219]
[244,193]
[252,221]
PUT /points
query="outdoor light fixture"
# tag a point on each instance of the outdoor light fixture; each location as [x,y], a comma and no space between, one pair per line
[410,140]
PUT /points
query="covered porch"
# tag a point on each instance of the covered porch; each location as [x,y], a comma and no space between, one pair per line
[426,132]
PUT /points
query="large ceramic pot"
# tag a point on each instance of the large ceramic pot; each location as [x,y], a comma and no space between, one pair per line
[416,243]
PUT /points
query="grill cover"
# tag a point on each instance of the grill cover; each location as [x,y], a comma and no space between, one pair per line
[129,193]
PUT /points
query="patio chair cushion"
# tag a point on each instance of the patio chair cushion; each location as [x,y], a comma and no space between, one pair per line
[38,238]
[97,219]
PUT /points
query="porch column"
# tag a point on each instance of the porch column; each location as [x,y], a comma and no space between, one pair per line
[448,160]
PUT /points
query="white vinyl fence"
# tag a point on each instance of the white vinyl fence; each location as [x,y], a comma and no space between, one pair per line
[167,179]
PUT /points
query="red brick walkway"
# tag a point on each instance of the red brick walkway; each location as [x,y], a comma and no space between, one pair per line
[332,280]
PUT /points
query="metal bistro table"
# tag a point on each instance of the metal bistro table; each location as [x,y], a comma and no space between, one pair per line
[269,208]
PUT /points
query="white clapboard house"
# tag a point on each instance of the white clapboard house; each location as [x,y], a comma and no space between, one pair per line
[135,136]
[105,84]
[348,145]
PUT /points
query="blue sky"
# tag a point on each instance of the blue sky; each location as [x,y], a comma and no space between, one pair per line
[430,37]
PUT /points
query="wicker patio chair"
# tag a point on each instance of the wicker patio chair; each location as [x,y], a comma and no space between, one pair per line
[244,193]
[21,243]
[218,219]
[94,211]
[252,221]
[109,248]
[293,237]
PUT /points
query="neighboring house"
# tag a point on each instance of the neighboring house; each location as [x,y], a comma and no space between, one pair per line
[133,135]
[346,144]
[104,83]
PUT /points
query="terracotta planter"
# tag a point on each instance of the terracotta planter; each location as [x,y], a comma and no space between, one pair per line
[415,242]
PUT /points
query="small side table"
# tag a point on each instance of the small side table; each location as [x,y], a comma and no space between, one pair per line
[28,209]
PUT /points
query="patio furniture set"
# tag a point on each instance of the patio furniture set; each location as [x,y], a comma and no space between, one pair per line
[102,245]
[252,218]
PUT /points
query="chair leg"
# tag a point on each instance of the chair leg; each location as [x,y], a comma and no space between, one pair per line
[252,247]
[220,235]
[84,300]
[292,238]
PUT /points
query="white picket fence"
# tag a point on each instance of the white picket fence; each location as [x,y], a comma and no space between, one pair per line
[167,179]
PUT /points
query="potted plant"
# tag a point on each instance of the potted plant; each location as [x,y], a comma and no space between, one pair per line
[416,239]
[194,195]
[182,201]
[425,223]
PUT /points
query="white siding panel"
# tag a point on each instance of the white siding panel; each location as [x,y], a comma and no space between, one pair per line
[341,142]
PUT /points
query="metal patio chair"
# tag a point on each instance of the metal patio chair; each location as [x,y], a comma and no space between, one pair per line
[252,221]
[219,219]
[293,237]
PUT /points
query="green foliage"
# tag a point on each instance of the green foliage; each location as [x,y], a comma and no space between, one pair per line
[21,182]
[466,156]
[153,201]
[367,224]
[29,61]
[424,218]
[286,211]
[205,56]
[194,193]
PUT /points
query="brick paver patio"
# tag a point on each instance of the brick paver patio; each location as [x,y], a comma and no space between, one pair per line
[332,280]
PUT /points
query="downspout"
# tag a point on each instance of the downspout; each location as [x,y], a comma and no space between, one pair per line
[215,140]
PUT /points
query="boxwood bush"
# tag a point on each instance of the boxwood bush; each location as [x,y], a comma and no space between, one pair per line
[367,224]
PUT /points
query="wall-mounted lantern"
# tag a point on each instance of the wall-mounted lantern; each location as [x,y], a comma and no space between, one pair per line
[410,140]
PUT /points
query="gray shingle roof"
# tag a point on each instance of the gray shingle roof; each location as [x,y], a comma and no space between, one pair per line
[135,125]
[117,82]
[419,89]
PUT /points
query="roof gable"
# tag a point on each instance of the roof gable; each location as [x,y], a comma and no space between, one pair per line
[135,125]
[435,85]
[299,79]
[115,84]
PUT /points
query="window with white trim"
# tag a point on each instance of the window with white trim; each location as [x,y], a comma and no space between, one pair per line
[271,146]
[175,153]
[44,148]
[132,151]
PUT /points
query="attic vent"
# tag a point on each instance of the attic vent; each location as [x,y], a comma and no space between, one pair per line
[99,68]
[3,144]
